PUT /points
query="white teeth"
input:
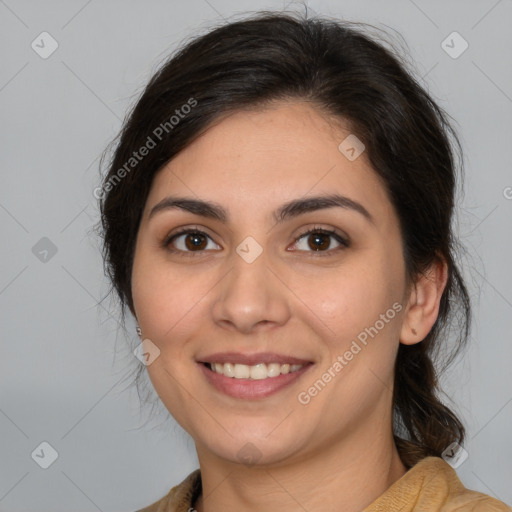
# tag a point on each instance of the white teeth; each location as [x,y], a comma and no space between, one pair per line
[242,371]
[258,371]
[273,369]
[228,370]
[255,372]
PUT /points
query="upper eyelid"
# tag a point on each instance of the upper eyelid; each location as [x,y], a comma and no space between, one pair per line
[327,231]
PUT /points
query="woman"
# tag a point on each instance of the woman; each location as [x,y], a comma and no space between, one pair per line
[277,217]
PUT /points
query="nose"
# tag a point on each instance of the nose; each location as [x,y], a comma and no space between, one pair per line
[250,298]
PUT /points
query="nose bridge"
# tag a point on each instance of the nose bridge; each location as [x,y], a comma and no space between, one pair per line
[249,295]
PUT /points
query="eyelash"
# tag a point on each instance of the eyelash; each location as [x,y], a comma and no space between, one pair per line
[344,242]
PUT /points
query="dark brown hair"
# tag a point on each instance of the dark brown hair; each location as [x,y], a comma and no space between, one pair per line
[352,77]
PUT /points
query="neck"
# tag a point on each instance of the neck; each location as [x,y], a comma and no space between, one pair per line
[348,475]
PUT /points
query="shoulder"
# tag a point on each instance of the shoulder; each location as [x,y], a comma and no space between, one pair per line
[457,496]
[180,497]
[432,485]
[472,501]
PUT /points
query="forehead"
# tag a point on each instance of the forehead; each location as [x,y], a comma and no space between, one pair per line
[262,158]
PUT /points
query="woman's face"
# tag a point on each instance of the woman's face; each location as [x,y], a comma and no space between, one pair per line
[252,287]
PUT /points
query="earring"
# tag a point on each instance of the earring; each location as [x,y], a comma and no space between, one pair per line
[414,331]
[139,331]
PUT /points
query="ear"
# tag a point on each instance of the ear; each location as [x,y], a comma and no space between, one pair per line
[423,304]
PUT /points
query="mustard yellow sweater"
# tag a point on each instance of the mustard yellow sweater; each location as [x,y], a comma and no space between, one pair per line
[429,486]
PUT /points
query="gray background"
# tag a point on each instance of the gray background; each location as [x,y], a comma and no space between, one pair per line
[61,380]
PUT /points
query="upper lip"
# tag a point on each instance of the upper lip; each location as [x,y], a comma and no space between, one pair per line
[251,359]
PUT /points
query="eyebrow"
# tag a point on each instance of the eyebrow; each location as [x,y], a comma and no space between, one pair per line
[285,212]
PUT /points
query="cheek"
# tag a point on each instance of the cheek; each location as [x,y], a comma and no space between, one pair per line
[164,309]
[351,297]
[361,306]
[161,297]
[165,303]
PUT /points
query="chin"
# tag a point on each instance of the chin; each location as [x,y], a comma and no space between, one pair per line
[251,449]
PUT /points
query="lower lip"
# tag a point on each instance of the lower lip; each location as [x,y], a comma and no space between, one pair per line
[249,388]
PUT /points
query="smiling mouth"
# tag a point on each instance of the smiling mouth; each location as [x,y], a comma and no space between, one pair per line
[253,372]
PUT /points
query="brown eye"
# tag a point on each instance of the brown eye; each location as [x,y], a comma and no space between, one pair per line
[195,241]
[190,241]
[320,240]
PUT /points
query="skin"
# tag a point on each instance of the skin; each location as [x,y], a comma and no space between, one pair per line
[337,451]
